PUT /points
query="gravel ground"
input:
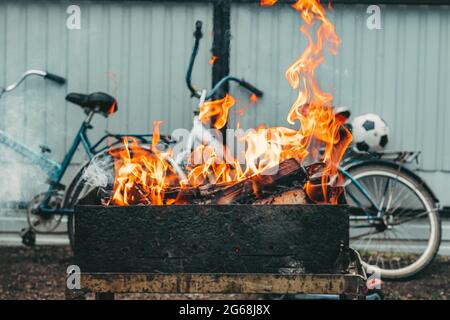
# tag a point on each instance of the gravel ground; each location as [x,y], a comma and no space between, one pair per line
[39,273]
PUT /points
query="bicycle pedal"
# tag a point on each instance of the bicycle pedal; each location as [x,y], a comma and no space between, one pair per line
[28,237]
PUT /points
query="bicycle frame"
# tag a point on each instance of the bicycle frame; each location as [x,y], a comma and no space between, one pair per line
[364,192]
[47,165]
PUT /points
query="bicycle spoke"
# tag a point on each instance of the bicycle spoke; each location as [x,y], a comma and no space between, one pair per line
[422,214]
[375,189]
[359,236]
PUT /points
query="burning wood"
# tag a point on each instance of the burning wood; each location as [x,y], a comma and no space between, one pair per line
[144,177]
[257,187]
[284,187]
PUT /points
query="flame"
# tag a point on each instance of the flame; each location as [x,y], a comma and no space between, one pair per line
[217,109]
[146,176]
[141,176]
[253,98]
[212,60]
[268,3]
[330,8]
[312,108]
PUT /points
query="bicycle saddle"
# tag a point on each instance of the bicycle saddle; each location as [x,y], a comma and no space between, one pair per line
[98,102]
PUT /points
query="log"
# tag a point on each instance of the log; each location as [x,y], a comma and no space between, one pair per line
[293,196]
[247,191]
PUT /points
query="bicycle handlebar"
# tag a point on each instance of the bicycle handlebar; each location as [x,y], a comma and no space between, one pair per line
[197,35]
[55,78]
[194,93]
[40,73]
[241,82]
[251,88]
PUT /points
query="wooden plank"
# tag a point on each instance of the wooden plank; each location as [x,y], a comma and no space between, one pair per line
[224,283]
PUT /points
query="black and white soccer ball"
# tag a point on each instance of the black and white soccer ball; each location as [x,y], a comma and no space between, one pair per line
[370,133]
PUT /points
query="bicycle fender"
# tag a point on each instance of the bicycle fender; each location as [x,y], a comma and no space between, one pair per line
[395,165]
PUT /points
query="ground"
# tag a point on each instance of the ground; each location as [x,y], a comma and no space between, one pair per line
[39,273]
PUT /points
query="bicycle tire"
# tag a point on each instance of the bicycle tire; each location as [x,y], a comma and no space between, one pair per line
[75,193]
[393,171]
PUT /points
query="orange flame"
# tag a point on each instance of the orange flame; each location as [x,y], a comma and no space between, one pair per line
[141,176]
[253,98]
[320,135]
[212,60]
[268,3]
[217,109]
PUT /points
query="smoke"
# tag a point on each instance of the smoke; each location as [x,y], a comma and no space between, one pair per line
[99,172]
[20,180]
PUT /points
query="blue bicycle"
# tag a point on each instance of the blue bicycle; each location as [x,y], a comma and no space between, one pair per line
[45,211]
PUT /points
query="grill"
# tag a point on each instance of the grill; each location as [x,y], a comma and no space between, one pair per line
[222,239]
[216,249]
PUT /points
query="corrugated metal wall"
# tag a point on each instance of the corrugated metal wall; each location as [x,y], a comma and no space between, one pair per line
[138,51]
[401,72]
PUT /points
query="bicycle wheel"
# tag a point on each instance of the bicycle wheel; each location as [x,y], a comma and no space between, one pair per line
[403,237]
[81,186]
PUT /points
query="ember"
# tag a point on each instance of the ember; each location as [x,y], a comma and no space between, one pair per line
[212,60]
[149,177]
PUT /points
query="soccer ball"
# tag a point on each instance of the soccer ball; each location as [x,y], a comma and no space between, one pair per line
[370,133]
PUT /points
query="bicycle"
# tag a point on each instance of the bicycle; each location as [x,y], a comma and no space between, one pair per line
[45,210]
[81,186]
[399,232]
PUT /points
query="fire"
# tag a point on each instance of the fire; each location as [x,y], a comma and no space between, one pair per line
[312,108]
[217,109]
[253,98]
[144,177]
[212,60]
[268,3]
